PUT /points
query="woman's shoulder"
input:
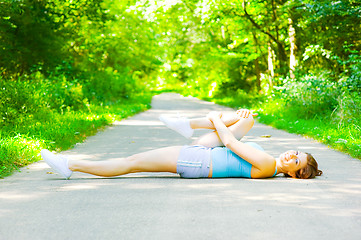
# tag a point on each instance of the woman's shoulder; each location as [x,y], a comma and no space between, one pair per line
[266,172]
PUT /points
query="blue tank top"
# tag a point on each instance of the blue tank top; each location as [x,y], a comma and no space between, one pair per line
[226,163]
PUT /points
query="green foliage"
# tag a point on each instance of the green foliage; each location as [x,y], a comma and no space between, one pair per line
[348,111]
[308,96]
[239,99]
[111,85]
[351,76]
[29,37]
[29,96]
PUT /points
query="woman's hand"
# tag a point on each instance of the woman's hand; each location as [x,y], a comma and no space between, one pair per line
[214,115]
[245,113]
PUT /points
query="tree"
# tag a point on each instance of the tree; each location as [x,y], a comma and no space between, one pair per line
[29,37]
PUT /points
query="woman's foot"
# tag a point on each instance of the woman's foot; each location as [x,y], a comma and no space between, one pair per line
[180,125]
[58,162]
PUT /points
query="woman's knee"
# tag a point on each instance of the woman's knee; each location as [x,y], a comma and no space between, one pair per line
[241,128]
[230,118]
[132,164]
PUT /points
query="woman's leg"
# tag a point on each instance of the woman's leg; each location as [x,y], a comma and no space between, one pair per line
[185,126]
[238,125]
[204,123]
[239,129]
[158,160]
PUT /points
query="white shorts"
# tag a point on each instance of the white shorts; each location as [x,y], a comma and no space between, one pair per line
[194,162]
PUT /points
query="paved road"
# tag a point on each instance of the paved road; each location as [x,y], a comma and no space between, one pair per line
[35,204]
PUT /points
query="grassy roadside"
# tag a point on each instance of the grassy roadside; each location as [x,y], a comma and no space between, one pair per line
[342,137]
[20,145]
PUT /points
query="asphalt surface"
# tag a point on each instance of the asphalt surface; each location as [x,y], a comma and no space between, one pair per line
[38,204]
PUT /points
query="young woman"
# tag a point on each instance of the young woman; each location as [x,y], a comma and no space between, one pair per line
[215,154]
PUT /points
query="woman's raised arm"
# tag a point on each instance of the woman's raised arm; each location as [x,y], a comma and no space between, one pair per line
[259,159]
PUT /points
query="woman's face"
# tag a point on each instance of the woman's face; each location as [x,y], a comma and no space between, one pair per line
[292,161]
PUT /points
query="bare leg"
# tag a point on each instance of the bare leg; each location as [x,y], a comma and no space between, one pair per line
[239,129]
[158,160]
[228,119]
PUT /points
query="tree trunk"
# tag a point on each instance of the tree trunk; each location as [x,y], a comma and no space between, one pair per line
[270,60]
[293,47]
[256,64]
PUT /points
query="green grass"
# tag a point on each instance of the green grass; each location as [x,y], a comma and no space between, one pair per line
[345,138]
[21,143]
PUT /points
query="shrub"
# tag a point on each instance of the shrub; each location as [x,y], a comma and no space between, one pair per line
[308,96]
[348,109]
[110,85]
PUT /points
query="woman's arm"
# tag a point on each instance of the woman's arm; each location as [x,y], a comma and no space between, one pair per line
[259,159]
[239,128]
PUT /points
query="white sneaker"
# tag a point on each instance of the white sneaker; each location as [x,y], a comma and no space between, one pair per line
[180,125]
[58,162]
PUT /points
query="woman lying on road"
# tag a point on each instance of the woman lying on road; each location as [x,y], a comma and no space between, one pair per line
[215,154]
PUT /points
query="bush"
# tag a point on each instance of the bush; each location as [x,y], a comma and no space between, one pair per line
[351,76]
[308,97]
[110,85]
[18,98]
[28,97]
[348,110]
